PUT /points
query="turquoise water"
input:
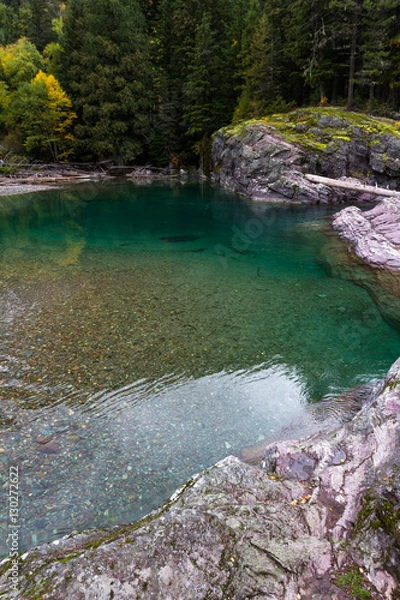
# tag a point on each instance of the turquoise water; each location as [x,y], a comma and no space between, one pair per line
[149,331]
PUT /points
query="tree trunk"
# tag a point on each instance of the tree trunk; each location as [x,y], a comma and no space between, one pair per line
[371,98]
[205,155]
[322,94]
[353,53]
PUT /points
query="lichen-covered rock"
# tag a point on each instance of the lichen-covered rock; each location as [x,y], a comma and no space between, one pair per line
[318,520]
[262,166]
[267,159]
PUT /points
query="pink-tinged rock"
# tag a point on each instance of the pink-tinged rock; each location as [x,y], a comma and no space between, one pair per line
[50,448]
[373,235]
[392,405]
[284,531]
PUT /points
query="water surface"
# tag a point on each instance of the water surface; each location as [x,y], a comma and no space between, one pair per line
[147,332]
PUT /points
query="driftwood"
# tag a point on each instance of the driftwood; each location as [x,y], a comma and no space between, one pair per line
[33,180]
[353,186]
[39,173]
[153,173]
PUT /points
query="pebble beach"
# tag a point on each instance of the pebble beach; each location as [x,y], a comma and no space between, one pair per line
[7,189]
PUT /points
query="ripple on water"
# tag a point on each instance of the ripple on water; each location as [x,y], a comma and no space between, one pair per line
[118,454]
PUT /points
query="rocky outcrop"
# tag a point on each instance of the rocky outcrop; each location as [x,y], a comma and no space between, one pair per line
[373,235]
[370,256]
[267,159]
[318,519]
[262,166]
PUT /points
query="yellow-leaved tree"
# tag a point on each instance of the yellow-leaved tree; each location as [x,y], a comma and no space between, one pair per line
[50,122]
[33,105]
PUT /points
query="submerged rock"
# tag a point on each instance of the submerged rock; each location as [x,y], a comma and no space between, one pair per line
[317,518]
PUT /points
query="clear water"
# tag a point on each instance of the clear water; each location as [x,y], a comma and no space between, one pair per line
[147,332]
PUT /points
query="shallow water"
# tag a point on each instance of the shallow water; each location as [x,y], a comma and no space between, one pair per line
[147,332]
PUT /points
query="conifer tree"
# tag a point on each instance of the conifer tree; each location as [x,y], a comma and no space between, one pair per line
[8,23]
[204,108]
[376,44]
[263,75]
[108,74]
[39,26]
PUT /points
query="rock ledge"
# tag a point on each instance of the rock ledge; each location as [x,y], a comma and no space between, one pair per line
[267,159]
[319,520]
[373,235]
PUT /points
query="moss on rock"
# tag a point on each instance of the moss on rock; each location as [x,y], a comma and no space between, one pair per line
[314,128]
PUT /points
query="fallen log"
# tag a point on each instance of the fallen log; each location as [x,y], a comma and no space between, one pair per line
[43,179]
[353,186]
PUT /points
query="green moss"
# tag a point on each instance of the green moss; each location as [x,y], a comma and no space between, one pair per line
[389,518]
[301,127]
[342,138]
[93,545]
[353,582]
[379,513]
[367,509]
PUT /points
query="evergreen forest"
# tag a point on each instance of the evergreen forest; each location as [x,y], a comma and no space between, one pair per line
[138,81]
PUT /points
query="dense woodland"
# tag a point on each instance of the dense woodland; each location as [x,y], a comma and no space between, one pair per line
[151,80]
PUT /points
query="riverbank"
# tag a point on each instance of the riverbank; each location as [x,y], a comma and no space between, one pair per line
[25,188]
[317,519]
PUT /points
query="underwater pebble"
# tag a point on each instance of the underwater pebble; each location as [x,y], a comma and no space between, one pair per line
[49,448]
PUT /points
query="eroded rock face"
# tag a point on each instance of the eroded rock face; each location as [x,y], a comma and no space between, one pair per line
[261,165]
[263,161]
[319,516]
[373,235]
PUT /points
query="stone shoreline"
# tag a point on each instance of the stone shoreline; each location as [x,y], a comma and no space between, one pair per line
[319,519]
[17,189]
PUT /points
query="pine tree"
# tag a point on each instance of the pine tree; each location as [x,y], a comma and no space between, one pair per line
[8,23]
[376,47]
[263,75]
[39,27]
[108,74]
[310,43]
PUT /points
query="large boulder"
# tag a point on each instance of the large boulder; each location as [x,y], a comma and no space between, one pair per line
[261,165]
[373,235]
[370,254]
[318,519]
[268,158]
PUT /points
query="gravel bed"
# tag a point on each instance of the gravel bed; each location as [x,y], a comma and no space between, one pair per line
[14,190]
